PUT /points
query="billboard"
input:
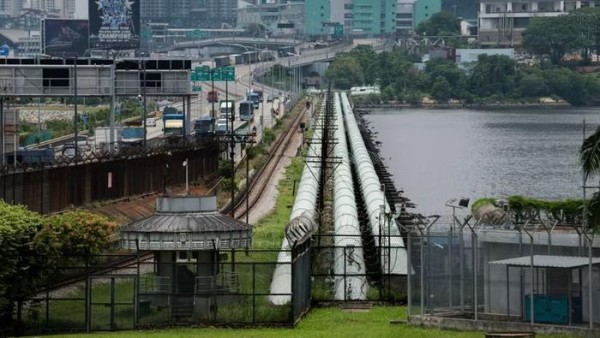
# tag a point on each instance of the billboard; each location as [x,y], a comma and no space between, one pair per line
[114,24]
[63,36]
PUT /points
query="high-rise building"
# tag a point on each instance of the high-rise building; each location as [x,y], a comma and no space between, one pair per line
[317,18]
[53,8]
[190,13]
[374,17]
[222,13]
[10,8]
[405,16]
[424,9]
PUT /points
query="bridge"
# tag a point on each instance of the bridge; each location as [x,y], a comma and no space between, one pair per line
[232,40]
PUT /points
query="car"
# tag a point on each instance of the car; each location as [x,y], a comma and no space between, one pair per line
[271,97]
[151,122]
[222,126]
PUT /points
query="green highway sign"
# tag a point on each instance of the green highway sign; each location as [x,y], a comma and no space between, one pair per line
[196,88]
[338,29]
[195,34]
[216,74]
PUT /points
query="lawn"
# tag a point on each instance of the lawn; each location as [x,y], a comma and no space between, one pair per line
[322,322]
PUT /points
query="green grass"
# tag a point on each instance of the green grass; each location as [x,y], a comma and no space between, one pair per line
[322,322]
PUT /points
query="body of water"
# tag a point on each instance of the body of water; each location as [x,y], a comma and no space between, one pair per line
[436,155]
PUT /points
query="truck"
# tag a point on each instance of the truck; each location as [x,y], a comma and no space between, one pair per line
[221,61]
[236,59]
[250,57]
[266,55]
[102,137]
[33,157]
[131,137]
[174,125]
[286,51]
[212,96]
[226,109]
[252,96]
[203,126]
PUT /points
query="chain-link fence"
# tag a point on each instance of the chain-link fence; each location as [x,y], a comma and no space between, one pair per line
[115,292]
[536,272]
[358,272]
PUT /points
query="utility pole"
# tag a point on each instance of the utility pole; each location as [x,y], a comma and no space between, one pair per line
[144,99]
[75,107]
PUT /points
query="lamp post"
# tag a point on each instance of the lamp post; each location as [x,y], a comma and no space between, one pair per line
[143,65]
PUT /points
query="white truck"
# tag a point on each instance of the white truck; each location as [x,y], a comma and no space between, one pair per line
[102,138]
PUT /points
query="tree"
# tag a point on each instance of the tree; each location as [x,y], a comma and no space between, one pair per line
[492,74]
[589,157]
[20,262]
[441,23]
[345,72]
[441,90]
[72,236]
[448,70]
[554,36]
[533,85]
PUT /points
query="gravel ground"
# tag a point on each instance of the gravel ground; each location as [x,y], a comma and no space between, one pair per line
[268,199]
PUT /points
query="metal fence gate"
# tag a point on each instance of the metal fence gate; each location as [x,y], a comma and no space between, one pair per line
[112,305]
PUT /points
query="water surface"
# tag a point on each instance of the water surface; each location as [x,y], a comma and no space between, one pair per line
[436,155]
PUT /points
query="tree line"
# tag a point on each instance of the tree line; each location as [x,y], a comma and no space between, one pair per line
[492,78]
[36,249]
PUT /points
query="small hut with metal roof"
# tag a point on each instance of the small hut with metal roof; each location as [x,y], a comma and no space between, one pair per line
[187,273]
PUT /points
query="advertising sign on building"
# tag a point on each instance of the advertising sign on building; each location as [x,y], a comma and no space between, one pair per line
[114,24]
[63,36]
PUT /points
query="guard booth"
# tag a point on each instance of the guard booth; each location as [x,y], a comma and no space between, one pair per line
[187,275]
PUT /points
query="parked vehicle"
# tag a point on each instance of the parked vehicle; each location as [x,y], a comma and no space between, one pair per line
[246,111]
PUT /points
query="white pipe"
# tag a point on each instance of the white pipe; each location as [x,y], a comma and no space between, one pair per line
[305,206]
[349,266]
[393,261]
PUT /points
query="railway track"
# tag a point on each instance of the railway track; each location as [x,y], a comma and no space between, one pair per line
[260,181]
[126,262]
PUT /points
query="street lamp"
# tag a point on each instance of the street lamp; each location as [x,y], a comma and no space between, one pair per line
[142,64]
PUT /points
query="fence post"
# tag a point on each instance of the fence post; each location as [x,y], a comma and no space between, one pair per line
[408,275]
[253,293]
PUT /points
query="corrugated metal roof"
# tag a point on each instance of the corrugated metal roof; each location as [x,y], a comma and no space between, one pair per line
[200,222]
[546,261]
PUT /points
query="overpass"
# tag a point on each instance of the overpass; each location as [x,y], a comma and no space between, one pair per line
[232,40]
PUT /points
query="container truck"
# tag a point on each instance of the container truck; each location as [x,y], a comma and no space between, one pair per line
[236,59]
[226,109]
[221,61]
[173,125]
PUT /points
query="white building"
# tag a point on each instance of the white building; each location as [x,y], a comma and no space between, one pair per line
[503,22]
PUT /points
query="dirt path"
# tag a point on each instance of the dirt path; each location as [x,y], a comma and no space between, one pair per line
[268,199]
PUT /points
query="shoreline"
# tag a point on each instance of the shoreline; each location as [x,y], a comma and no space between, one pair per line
[360,107]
